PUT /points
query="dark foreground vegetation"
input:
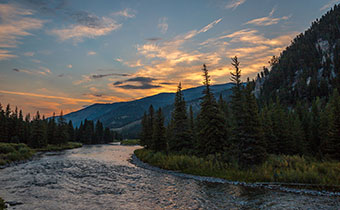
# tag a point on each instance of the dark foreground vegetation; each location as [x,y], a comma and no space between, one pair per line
[60,147]
[20,138]
[40,132]
[2,204]
[276,168]
[130,142]
[290,132]
[10,152]
[247,138]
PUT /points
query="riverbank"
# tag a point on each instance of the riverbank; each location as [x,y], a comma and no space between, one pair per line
[2,204]
[282,169]
[130,142]
[10,152]
[68,145]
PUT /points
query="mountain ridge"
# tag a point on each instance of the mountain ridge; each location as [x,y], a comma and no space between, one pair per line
[119,115]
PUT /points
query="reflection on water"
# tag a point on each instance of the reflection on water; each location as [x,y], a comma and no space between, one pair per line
[101,177]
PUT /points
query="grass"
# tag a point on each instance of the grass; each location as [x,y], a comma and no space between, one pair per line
[2,204]
[10,152]
[130,142]
[68,145]
[287,169]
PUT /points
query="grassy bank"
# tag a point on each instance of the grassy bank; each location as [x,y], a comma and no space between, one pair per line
[68,145]
[2,204]
[289,169]
[14,152]
[10,152]
[130,142]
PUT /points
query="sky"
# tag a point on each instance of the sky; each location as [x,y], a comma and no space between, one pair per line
[68,54]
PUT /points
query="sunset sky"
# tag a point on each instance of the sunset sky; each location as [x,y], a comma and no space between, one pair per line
[67,54]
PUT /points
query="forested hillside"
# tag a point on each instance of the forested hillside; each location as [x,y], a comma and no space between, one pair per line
[309,67]
[124,117]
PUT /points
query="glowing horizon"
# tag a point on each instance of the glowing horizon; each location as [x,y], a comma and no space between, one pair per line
[64,55]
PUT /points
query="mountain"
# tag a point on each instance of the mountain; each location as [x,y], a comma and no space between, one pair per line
[309,67]
[125,116]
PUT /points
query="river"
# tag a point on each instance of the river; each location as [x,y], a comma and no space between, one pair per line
[102,177]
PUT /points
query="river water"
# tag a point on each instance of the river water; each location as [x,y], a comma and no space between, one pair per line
[102,177]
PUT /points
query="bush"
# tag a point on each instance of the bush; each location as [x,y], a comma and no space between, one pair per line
[10,152]
[2,204]
[52,147]
[283,168]
[130,142]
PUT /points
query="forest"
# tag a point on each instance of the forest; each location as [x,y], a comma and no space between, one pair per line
[245,130]
[39,132]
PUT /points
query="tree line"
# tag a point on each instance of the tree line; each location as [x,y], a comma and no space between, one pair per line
[245,130]
[310,66]
[38,132]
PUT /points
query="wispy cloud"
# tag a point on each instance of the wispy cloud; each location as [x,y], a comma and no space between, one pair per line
[329,5]
[268,20]
[89,78]
[45,96]
[29,54]
[141,83]
[233,4]
[15,24]
[127,13]
[40,71]
[88,26]
[163,24]
[132,64]
[91,53]
[193,33]
[36,61]
[171,62]
[6,54]
[98,76]
[153,39]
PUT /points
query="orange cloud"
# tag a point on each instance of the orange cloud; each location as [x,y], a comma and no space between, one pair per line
[14,25]
[268,20]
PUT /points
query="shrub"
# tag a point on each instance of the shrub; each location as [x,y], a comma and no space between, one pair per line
[130,142]
[10,152]
[277,168]
[2,204]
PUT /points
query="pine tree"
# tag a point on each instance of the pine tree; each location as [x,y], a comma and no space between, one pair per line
[62,134]
[158,138]
[252,149]
[70,130]
[297,135]
[107,136]
[181,140]
[267,124]
[212,136]
[144,130]
[99,132]
[325,124]
[334,129]
[148,128]
[27,129]
[2,124]
[237,106]
[192,128]
[20,127]
[281,129]
[38,136]
[52,130]
[315,127]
